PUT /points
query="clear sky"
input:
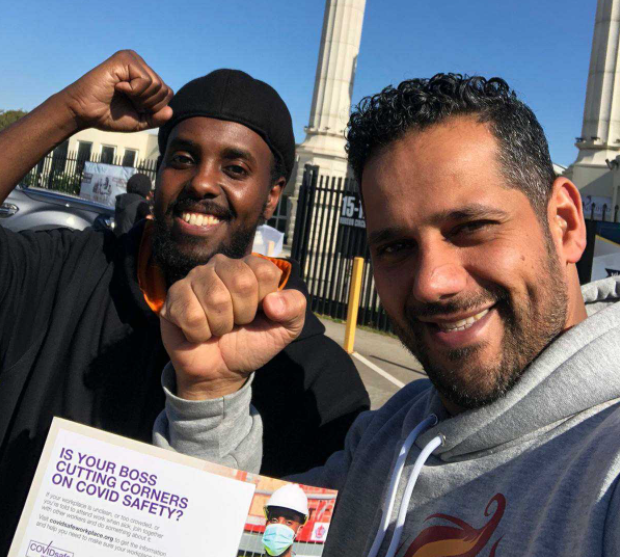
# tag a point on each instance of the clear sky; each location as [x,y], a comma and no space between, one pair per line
[541,47]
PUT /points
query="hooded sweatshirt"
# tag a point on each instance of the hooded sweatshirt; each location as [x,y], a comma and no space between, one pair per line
[535,473]
[129,208]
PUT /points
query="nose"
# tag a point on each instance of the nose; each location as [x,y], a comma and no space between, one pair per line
[206,181]
[439,274]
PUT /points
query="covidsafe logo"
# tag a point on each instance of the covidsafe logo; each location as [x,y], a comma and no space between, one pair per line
[38,549]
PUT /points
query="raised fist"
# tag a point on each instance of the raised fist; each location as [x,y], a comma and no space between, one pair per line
[122,94]
[225,320]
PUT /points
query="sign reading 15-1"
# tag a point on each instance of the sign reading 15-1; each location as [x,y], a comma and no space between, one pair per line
[352,212]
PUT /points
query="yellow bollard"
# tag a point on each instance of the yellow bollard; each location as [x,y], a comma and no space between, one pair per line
[354,302]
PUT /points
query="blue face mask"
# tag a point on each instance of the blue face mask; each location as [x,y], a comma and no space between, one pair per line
[278,538]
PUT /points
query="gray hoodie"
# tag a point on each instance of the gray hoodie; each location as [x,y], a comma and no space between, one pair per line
[534,473]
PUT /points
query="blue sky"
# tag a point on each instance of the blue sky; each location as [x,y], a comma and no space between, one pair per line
[541,47]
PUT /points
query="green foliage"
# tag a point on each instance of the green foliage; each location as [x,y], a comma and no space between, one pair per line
[30,180]
[64,182]
[7,117]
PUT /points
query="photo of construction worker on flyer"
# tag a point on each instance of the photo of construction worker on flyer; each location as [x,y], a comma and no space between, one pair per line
[287,520]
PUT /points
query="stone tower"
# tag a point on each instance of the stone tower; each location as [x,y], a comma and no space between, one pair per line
[600,136]
[331,101]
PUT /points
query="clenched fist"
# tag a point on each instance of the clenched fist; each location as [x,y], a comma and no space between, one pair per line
[225,320]
[121,94]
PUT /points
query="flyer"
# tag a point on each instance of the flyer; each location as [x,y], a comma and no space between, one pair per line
[97,494]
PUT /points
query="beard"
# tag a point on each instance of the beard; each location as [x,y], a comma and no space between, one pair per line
[177,254]
[529,326]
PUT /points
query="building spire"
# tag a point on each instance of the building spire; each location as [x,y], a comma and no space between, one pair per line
[335,73]
[600,136]
[331,101]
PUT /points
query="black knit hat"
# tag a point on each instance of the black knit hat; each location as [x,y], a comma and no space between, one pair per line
[235,96]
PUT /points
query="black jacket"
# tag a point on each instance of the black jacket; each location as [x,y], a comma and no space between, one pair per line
[77,340]
[129,208]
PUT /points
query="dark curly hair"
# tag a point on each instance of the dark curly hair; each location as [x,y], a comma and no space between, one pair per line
[417,104]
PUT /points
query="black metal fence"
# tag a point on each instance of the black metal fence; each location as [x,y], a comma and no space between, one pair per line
[62,171]
[607,222]
[329,232]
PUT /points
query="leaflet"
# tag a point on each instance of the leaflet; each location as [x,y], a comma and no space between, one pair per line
[97,494]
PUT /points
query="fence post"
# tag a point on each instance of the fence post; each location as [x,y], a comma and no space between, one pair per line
[301,214]
[354,302]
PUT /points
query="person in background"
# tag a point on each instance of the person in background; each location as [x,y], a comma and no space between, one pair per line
[132,206]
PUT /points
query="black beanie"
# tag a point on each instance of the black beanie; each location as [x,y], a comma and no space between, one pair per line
[235,96]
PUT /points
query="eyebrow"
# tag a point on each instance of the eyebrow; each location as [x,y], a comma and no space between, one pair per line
[385,234]
[471,211]
[238,153]
[183,143]
[467,212]
[228,153]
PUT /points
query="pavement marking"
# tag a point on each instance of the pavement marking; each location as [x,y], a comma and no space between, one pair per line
[377,369]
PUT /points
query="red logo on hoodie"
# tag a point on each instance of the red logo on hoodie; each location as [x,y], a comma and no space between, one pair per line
[460,541]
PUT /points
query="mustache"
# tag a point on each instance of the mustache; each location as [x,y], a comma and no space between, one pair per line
[492,294]
[186,203]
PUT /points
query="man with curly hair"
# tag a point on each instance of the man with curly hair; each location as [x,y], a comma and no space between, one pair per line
[512,449]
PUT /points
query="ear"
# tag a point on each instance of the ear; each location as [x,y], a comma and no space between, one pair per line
[274,196]
[566,222]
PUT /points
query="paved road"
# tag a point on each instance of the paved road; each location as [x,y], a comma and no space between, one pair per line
[382,361]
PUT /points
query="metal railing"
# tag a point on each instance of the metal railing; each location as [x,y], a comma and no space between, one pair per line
[63,172]
[325,242]
[607,222]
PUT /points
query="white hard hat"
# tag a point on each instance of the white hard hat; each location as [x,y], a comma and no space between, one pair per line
[290,496]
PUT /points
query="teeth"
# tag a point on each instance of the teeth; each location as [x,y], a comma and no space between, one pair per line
[463,324]
[199,219]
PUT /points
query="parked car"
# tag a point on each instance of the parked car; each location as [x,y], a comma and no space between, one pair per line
[39,209]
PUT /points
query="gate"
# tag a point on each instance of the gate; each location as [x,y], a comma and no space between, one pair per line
[61,170]
[329,232]
[606,228]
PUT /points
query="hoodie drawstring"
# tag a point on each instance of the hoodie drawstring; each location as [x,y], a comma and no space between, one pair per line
[390,495]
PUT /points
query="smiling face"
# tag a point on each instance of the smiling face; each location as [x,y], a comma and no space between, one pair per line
[214,186]
[468,273]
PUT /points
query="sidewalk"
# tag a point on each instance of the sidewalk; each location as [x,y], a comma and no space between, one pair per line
[384,364]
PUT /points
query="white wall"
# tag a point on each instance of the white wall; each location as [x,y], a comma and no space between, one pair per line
[144,143]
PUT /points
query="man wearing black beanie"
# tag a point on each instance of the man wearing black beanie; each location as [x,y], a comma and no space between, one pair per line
[80,327]
[241,128]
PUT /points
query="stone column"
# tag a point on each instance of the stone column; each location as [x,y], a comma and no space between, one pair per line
[600,136]
[331,101]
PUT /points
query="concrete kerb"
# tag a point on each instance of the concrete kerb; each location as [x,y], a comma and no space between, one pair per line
[384,364]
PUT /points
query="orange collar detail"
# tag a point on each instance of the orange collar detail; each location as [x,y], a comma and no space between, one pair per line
[151,278]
